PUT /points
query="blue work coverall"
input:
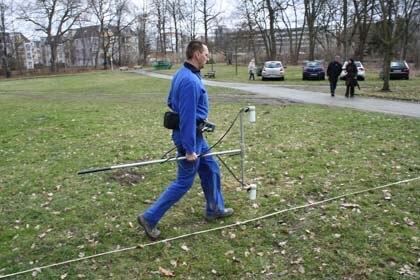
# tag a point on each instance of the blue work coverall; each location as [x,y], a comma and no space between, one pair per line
[188,97]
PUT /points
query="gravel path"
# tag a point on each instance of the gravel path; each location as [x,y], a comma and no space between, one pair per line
[277,91]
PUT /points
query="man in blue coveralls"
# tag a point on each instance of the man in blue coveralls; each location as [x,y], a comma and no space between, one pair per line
[188,98]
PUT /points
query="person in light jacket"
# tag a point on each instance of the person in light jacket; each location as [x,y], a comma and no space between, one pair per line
[251,69]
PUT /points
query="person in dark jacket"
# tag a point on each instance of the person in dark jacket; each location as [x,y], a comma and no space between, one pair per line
[351,77]
[333,72]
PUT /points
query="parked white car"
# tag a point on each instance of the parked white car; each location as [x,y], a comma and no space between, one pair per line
[272,70]
[360,71]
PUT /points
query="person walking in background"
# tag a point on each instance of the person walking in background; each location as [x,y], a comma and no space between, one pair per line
[351,77]
[333,72]
[188,98]
[251,69]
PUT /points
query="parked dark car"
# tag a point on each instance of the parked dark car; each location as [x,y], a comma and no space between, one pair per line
[399,70]
[313,70]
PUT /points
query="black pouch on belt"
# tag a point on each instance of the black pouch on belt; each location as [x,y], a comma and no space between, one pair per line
[171,120]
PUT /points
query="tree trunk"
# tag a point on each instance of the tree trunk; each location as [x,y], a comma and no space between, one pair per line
[205,20]
[387,63]
[345,35]
[5,60]
[251,33]
[388,37]
[53,59]
[272,18]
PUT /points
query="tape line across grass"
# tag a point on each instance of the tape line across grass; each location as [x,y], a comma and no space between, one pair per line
[40,268]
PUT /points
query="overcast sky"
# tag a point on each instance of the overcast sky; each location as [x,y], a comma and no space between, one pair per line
[13,24]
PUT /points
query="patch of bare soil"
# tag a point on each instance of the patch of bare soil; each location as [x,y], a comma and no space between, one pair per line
[127,177]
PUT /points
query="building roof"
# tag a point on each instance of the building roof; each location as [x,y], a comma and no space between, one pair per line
[84,32]
[13,36]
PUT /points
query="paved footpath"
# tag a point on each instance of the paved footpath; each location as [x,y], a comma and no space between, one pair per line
[277,91]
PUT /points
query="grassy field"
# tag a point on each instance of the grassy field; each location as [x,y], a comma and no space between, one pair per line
[296,154]
[400,89]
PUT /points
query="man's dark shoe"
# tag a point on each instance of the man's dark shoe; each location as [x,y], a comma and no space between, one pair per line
[152,232]
[226,213]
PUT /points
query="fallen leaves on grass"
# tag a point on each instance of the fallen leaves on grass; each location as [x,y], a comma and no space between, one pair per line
[166,272]
[408,221]
[406,270]
[42,235]
[185,248]
[387,194]
[301,269]
[350,205]
[297,261]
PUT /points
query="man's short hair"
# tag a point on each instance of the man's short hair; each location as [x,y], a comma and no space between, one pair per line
[194,46]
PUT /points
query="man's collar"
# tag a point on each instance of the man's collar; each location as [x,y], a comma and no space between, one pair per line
[191,67]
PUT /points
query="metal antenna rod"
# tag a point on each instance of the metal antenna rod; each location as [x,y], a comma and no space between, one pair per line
[237,151]
[242,146]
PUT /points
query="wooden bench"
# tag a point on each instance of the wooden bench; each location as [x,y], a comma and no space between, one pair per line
[137,67]
[124,68]
[210,74]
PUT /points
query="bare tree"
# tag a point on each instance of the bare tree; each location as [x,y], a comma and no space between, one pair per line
[313,8]
[102,10]
[4,54]
[260,12]
[250,26]
[363,12]
[293,29]
[271,22]
[177,11]
[122,23]
[224,43]
[191,19]
[209,15]
[159,11]
[53,17]
[142,40]
[388,11]
[410,11]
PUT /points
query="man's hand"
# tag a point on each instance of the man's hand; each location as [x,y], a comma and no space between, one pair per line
[191,157]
